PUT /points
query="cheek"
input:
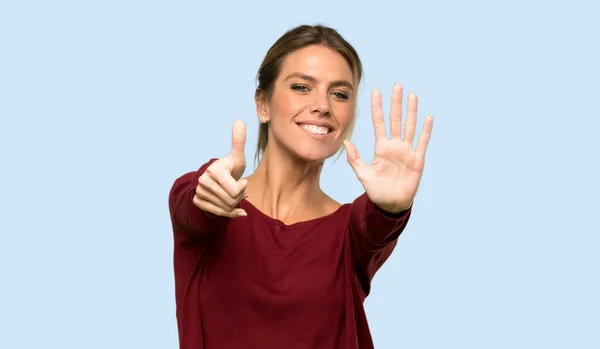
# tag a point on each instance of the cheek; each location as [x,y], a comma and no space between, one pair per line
[286,106]
[344,114]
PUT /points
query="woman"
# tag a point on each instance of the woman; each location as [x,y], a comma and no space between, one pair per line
[271,261]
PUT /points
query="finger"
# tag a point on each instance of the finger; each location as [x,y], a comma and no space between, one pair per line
[396,112]
[211,208]
[206,195]
[238,140]
[223,186]
[425,135]
[354,159]
[225,181]
[377,115]
[226,203]
[411,119]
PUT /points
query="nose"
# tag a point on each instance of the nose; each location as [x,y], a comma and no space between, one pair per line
[320,105]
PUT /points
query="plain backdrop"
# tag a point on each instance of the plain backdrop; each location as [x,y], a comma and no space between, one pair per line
[103,104]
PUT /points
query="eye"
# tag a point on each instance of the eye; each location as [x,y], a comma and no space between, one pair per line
[341,95]
[300,88]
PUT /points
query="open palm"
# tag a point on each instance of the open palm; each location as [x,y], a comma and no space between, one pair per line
[392,179]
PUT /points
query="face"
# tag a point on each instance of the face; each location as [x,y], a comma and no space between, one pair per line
[312,104]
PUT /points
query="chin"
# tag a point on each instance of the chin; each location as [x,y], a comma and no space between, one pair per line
[315,155]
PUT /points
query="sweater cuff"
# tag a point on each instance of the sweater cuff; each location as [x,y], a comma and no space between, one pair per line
[375,224]
[398,215]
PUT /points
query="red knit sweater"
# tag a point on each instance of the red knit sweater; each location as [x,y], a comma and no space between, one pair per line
[255,282]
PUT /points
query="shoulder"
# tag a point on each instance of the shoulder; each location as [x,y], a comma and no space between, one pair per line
[331,206]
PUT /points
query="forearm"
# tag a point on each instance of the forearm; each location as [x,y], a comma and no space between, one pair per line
[373,233]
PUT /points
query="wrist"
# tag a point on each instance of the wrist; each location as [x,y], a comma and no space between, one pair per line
[394,209]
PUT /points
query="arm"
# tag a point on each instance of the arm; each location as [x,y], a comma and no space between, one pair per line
[186,218]
[202,203]
[373,234]
[391,181]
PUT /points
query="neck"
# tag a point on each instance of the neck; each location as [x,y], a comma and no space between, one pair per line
[285,187]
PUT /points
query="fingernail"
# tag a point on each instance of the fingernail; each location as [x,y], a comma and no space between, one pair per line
[242,213]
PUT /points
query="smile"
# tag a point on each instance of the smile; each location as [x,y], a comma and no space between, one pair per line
[315,130]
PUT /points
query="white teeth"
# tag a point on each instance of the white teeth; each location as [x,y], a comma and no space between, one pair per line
[318,130]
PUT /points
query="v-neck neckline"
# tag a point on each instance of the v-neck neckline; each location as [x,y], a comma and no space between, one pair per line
[248,206]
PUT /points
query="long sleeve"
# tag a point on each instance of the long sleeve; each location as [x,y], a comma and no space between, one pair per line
[373,235]
[187,219]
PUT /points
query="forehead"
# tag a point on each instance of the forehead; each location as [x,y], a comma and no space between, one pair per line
[318,61]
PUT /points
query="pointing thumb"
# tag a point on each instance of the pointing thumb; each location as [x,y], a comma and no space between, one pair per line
[236,160]
[238,138]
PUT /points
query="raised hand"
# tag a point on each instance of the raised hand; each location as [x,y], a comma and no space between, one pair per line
[392,179]
[220,188]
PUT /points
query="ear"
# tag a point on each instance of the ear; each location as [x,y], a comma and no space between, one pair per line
[262,107]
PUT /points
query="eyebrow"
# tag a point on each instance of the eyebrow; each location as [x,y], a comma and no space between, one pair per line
[314,80]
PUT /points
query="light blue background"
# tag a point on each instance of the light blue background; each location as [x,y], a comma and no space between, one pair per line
[103,104]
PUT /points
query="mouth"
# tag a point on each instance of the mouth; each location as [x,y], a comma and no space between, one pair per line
[315,130]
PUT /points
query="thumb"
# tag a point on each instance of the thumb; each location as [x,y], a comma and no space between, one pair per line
[353,157]
[236,160]
[238,139]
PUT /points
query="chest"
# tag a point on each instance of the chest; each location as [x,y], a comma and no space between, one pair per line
[273,266]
